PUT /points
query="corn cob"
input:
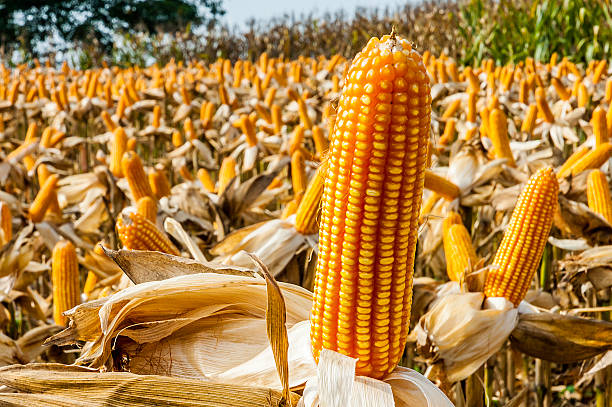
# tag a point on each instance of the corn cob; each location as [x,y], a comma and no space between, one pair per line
[320,142]
[563,93]
[543,107]
[298,175]
[498,133]
[296,139]
[519,253]
[566,168]
[599,70]
[277,118]
[443,187]
[108,122]
[270,95]
[452,218]
[227,172]
[524,92]
[451,109]
[205,179]
[90,283]
[583,95]
[449,132]
[598,195]
[593,159]
[118,148]
[43,199]
[155,121]
[308,209]
[290,209]
[138,233]
[471,112]
[6,223]
[147,207]
[459,251]
[303,111]
[370,207]
[530,119]
[600,128]
[65,279]
[135,175]
[158,182]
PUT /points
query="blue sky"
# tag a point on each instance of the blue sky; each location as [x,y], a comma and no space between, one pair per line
[239,11]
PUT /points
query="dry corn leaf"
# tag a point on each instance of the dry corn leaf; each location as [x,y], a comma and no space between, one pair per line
[594,264]
[464,330]
[143,266]
[561,338]
[55,384]
[199,325]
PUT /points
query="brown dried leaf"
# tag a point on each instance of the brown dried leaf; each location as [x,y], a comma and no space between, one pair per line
[72,385]
[561,338]
[143,266]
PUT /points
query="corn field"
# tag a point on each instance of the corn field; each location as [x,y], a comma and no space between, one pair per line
[393,229]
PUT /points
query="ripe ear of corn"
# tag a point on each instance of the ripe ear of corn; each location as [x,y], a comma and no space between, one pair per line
[498,133]
[135,175]
[298,175]
[543,107]
[566,168]
[138,233]
[445,188]
[370,208]
[593,159]
[458,250]
[147,207]
[598,195]
[65,280]
[308,209]
[530,119]
[6,223]
[226,173]
[118,148]
[90,283]
[158,182]
[600,126]
[43,199]
[205,179]
[520,251]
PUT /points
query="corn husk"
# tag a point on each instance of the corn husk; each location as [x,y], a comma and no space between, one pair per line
[464,330]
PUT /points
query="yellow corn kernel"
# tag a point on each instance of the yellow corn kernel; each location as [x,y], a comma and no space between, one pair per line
[498,133]
[65,280]
[520,251]
[138,233]
[134,173]
[370,208]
